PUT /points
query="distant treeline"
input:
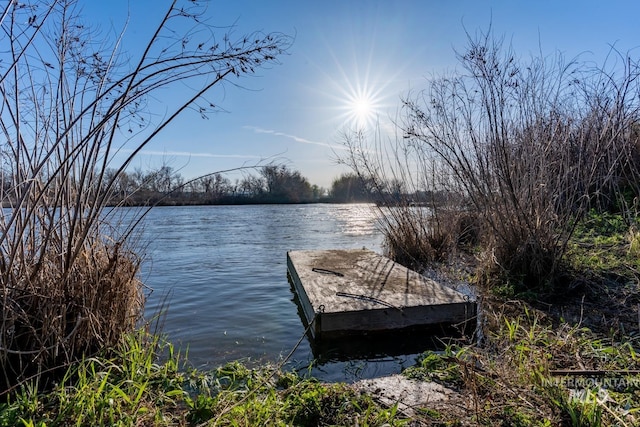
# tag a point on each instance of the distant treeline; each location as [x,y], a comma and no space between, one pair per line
[271,184]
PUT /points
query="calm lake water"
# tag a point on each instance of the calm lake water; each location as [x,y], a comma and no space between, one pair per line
[222,270]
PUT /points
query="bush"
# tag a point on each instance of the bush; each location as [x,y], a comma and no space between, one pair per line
[68,280]
[527,148]
[52,314]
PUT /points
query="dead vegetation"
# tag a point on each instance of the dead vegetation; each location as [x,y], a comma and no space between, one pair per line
[54,313]
[568,363]
[71,102]
[535,167]
[518,152]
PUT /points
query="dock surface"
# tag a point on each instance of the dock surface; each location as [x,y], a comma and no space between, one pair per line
[343,291]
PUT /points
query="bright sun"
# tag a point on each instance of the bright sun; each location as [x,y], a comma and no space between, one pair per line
[360,93]
[361,108]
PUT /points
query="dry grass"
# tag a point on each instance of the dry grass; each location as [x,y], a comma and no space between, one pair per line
[53,312]
[409,239]
[570,360]
[525,147]
[416,236]
[518,375]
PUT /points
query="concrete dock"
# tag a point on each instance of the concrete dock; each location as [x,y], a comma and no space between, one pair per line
[357,291]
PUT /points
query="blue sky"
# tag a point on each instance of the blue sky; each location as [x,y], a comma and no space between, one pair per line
[349,59]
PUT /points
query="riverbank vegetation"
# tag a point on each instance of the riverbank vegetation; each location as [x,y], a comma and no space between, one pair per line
[70,102]
[568,361]
[523,150]
[270,184]
[540,161]
[130,387]
[536,168]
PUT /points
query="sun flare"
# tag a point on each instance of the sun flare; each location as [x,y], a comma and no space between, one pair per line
[360,88]
[361,107]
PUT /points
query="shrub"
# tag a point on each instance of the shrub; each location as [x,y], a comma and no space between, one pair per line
[526,148]
[68,275]
[53,312]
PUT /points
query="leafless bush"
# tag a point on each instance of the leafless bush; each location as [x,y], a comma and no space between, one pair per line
[527,147]
[69,102]
[420,224]
[418,235]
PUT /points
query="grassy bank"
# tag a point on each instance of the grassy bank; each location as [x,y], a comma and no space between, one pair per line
[564,359]
[567,360]
[131,387]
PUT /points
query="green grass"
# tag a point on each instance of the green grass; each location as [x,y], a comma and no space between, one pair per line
[441,367]
[606,246]
[512,379]
[132,387]
[516,377]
